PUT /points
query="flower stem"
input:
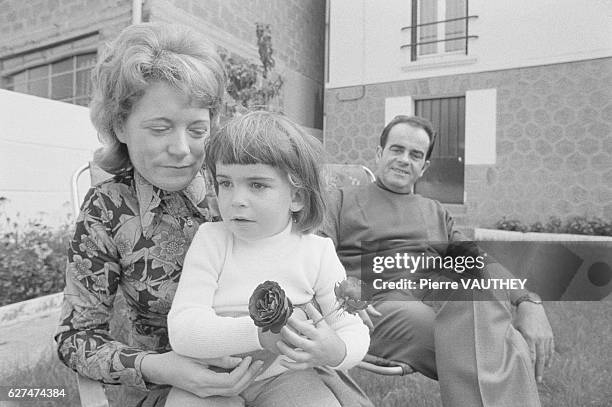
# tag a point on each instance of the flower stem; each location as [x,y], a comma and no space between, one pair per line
[314,302]
[326,315]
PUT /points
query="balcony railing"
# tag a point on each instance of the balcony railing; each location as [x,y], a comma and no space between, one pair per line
[414,44]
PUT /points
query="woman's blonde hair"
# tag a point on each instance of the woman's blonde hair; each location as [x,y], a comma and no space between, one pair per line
[140,55]
[269,138]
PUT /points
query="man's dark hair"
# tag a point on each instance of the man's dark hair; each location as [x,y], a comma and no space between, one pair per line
[414,121]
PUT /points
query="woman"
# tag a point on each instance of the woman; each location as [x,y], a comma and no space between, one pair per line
[157,92]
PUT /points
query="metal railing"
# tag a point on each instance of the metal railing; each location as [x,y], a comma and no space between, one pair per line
[74,188]
[414,44]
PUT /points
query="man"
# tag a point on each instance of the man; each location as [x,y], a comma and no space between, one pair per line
[471,347]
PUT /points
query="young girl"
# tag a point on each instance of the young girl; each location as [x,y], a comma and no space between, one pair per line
[270,199]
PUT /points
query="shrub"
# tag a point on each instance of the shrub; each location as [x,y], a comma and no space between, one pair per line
[513,225]
[578,225]
[554,225]
[32,259]
[252,86]
[246,87]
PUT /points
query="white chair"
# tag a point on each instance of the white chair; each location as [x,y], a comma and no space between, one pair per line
[345,175]
[91,392]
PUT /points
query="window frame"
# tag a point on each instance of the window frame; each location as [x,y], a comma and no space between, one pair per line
[78,96]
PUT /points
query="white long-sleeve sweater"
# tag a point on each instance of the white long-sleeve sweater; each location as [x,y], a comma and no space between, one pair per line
[209,316]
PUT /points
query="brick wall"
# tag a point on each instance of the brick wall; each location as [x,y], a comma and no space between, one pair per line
[298,40]
[39,31]
[298,27]
[554,138]
[27,25]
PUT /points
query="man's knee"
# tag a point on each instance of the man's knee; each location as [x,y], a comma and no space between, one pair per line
[405,333]
[405,319]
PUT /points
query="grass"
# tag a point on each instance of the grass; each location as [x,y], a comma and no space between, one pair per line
[580,374]
[416,389]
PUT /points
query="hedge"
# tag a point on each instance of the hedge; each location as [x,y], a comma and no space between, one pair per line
[32,259]
[578,225]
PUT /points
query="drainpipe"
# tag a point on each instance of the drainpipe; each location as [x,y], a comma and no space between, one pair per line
[136,11]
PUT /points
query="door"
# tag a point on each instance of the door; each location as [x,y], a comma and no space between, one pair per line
[444,179]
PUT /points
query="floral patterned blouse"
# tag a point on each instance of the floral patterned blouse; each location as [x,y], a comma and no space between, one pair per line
[134,236]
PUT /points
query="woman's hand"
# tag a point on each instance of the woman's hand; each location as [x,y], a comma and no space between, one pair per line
[314,345]
[194,375]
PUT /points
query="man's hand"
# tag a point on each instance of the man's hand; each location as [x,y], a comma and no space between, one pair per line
[532,323]
[366,314]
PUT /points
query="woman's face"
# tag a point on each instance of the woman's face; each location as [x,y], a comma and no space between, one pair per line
[165,135]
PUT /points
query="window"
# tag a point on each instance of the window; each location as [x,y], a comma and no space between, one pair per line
[438,27]
[444,180]
[66,80]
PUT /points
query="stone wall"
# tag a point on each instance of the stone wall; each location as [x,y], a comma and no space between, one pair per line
[554,138]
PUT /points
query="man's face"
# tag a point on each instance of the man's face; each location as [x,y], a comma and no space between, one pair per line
[402,161]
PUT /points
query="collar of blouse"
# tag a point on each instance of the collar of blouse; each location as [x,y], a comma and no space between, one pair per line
[150,197]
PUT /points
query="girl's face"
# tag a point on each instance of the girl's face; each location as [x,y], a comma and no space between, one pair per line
[256,200]
[165,135]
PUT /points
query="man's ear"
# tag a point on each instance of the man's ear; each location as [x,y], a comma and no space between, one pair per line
[425,167]
[298,199]
[119,129]
[379,151]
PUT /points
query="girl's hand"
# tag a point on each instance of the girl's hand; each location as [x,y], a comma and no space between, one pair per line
[194,376]
[316,345]
[268,340]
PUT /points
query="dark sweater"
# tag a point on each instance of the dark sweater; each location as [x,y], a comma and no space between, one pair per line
[361,219]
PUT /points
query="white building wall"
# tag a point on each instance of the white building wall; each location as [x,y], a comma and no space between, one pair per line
[365,38]
[42,143]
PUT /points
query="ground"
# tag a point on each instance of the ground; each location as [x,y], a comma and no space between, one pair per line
[580,374]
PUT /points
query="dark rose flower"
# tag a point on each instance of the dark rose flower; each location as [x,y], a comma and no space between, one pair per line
[269,307]
[348,294]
